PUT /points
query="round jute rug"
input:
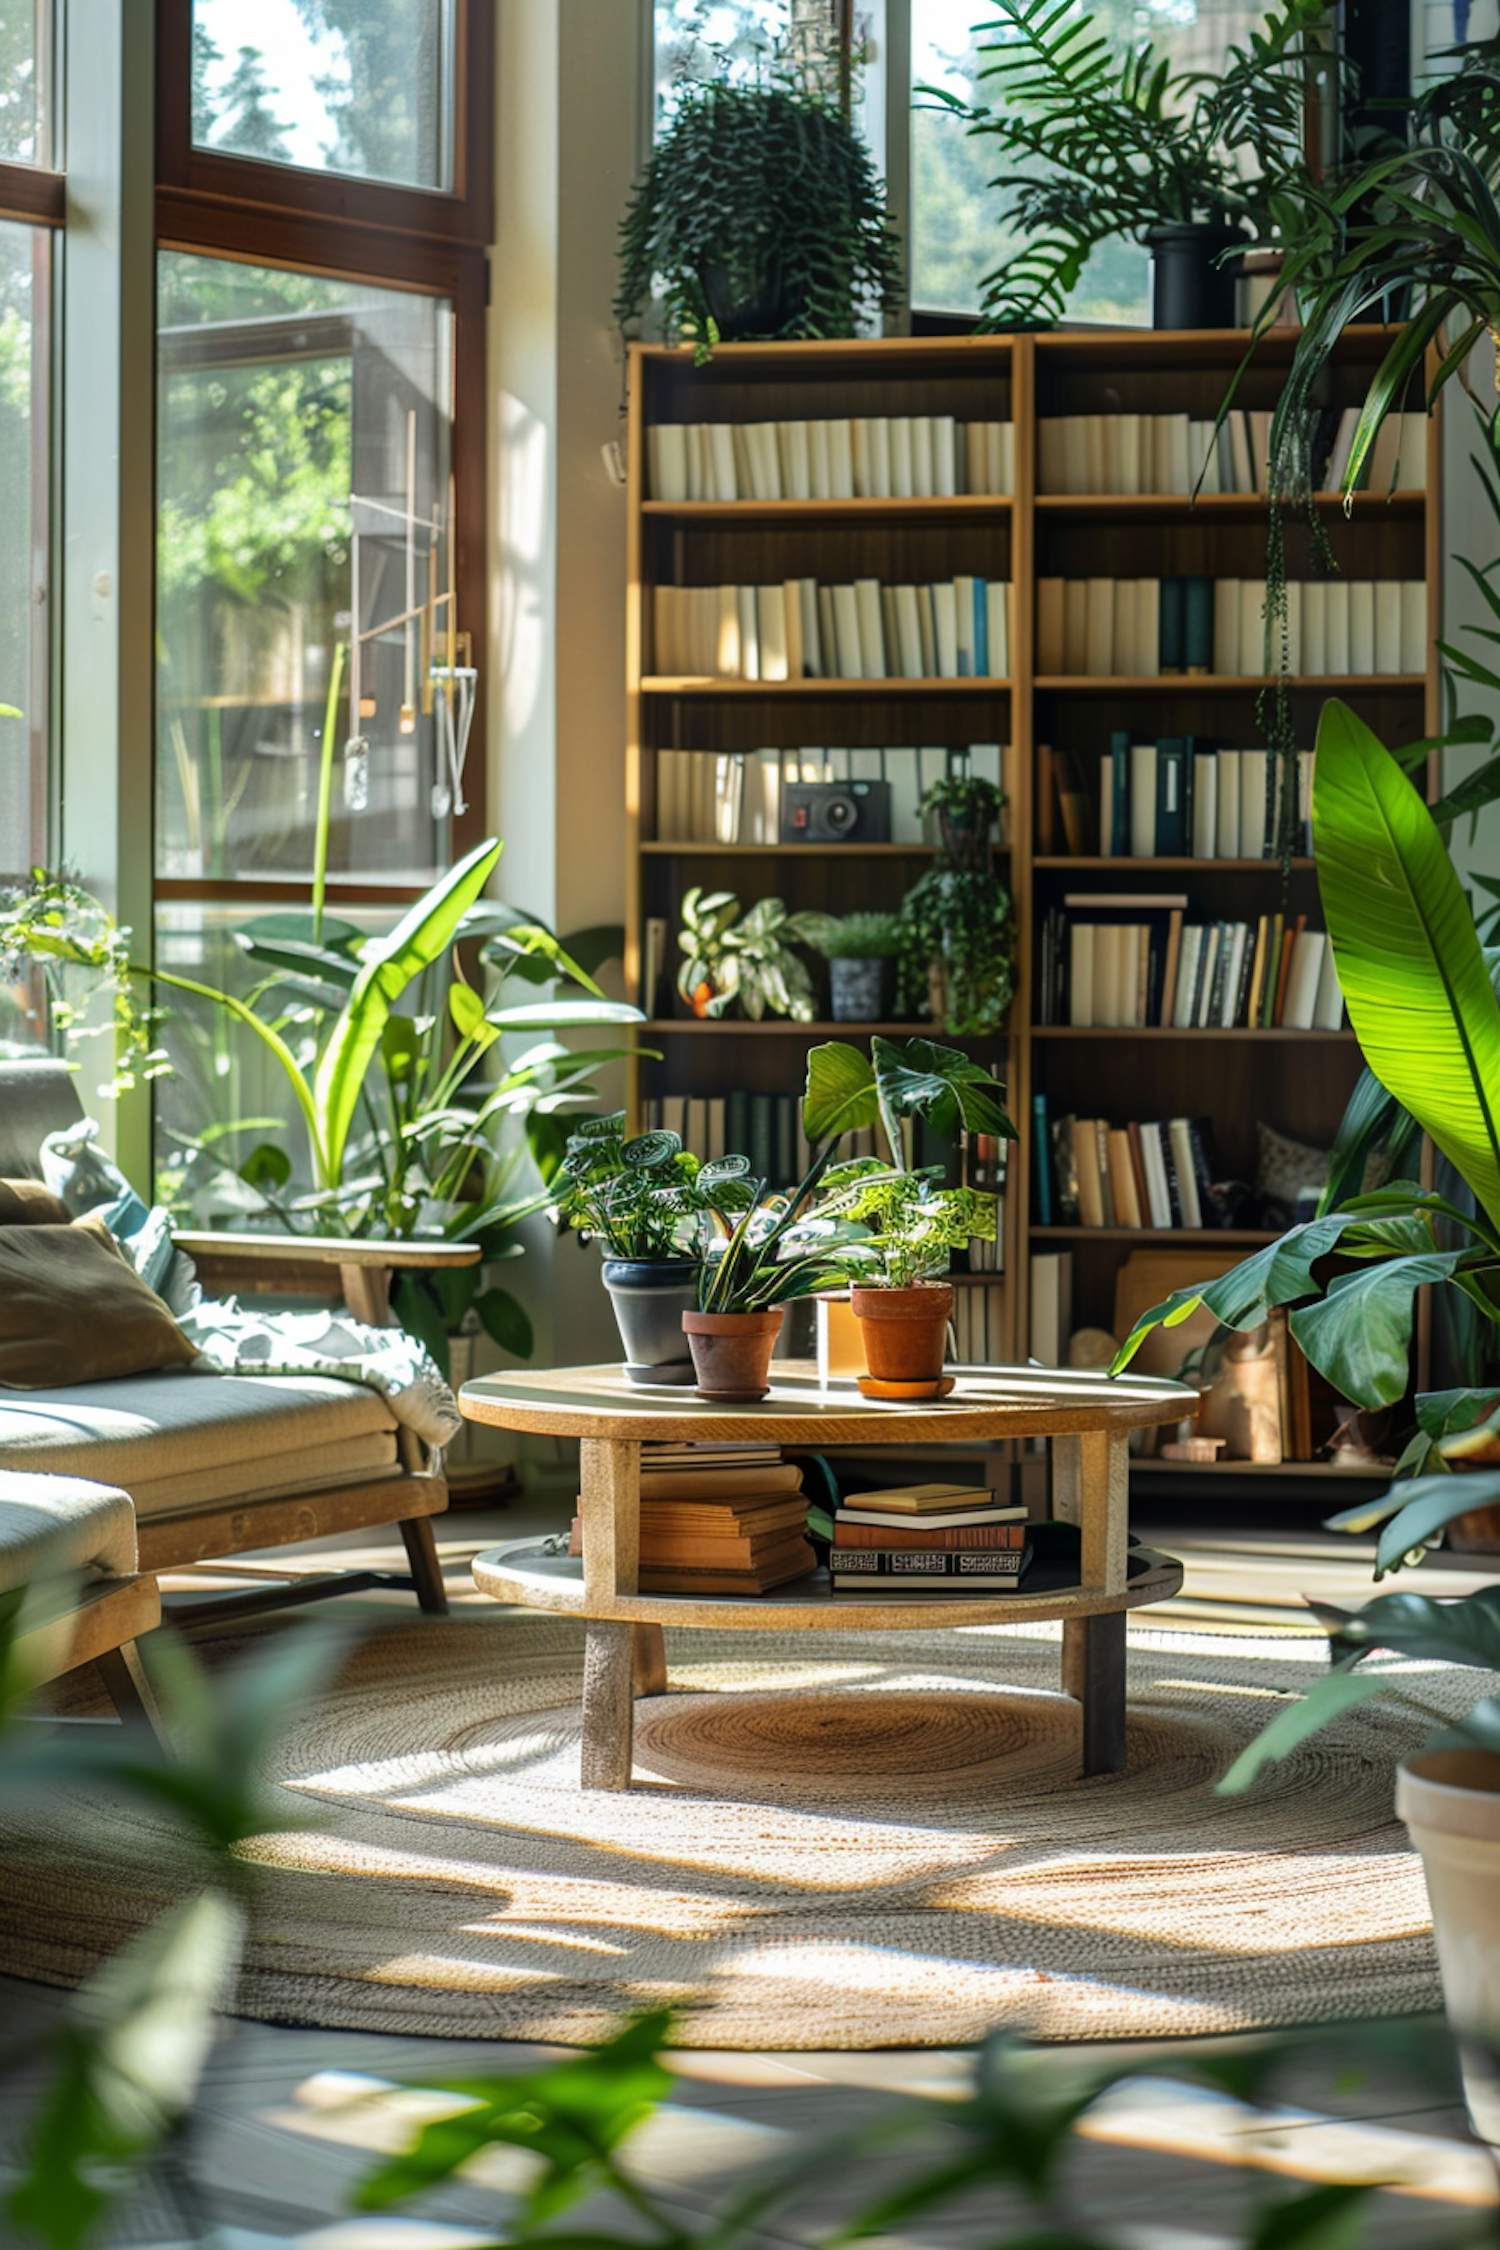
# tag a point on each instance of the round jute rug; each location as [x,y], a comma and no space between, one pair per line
[873,1843]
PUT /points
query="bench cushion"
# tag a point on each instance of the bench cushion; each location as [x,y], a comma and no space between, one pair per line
[180,1439]
[50,1525]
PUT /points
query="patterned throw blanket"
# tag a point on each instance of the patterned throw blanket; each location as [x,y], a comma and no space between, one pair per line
[232,1339]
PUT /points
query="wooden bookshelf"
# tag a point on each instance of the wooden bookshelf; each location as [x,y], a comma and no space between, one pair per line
[1296,1081]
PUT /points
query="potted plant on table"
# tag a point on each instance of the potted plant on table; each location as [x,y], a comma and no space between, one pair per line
[1189,162]
[910,1221]
[860,950]
[759,215]
[780,1249]
[648,1202]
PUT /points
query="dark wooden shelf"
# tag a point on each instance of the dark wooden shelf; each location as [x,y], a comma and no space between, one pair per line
[671,848]
[692,683]
[1170,1031]
[1408,501]
[1244,1237]
[787,1029]
[1222,683]
[1123,865]
[960,505]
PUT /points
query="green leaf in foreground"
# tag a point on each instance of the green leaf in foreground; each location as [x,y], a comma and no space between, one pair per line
[1327,1699]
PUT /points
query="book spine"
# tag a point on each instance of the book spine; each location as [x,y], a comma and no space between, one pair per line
[925,1562]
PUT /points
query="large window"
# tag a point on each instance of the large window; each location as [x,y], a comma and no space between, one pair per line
[956,237]
[23,578]
[323,208]
[25,81]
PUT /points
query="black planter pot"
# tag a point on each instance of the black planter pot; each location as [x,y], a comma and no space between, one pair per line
[860,990]
[767,312]
[1189,287]
[650,1296]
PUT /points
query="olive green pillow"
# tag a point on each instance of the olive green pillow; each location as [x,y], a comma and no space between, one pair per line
[26,1203]
[73,1311]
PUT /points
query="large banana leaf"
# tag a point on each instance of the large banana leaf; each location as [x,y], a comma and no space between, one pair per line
[1242,1298]
[1413,972]
[1359,1334]
[387,969]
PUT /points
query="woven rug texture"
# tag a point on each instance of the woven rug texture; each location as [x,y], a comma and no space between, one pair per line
[831,1842]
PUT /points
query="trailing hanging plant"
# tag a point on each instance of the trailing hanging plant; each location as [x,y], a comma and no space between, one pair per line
[1117,147]
[759,215]
[956,961]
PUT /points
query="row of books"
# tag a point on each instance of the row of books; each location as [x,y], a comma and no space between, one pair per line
[734,797]
[872,457]
[955,629]
[924,1538]
[1134,962]
[979,1314]
[1153,1173]
[1182,798]
[718,1519]
[1144,628]
[1175,453]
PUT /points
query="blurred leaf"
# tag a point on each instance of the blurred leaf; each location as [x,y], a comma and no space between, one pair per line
[572,2114]
[1428,1504]
[1325,2218]
[127,2063]
[417,1310]
[267,1166]
[506,1321]
[1463,1630]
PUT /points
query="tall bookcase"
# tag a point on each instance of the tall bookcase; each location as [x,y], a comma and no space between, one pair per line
[1296,1080]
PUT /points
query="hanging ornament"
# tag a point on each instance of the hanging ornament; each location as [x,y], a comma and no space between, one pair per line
[357,773]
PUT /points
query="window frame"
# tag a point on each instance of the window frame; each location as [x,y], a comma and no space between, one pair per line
[463,213]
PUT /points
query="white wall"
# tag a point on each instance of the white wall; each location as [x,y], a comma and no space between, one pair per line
[568,118]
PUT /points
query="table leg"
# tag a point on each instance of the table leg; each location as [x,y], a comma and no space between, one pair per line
[609,1503]
[1093,1673]
[608,1704]
[1091,1487]
[650,1660]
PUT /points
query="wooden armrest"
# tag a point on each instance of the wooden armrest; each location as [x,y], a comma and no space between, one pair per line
[299,1265]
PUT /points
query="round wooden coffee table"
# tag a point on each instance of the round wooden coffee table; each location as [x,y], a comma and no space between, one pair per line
[1087,1417]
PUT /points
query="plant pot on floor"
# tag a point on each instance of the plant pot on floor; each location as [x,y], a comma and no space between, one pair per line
[1189,286]
[860,990]
[1450,1801]
[650,1296]
[732,1352]
[905,1332]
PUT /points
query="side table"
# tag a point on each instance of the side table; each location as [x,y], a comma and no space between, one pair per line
[1088,1417]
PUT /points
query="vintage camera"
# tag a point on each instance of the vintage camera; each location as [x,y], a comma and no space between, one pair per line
[836,812]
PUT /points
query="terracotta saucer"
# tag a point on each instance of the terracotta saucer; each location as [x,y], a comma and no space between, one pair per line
[871,1387]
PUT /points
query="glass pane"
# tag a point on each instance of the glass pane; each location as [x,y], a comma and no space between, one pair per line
[358,86]
[23,586]
[687,29]
[281,395]
[956,238]
[227,1095]
[24,46]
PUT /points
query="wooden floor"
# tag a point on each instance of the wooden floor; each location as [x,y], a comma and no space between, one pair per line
[276,2145]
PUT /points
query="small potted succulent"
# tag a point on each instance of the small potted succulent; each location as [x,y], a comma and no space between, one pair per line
[911,1223]
[778,1250]
[730,958]
[860,950]
[968,810]
[649,1202]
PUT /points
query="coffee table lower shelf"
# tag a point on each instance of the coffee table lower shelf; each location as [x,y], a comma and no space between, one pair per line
[625,1656]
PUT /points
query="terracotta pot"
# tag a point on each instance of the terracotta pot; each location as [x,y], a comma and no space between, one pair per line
[1450,1800]
[732,1351]
[905,1331]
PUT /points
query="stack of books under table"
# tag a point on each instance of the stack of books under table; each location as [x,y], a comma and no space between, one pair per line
[718,1519]
[926,1538]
